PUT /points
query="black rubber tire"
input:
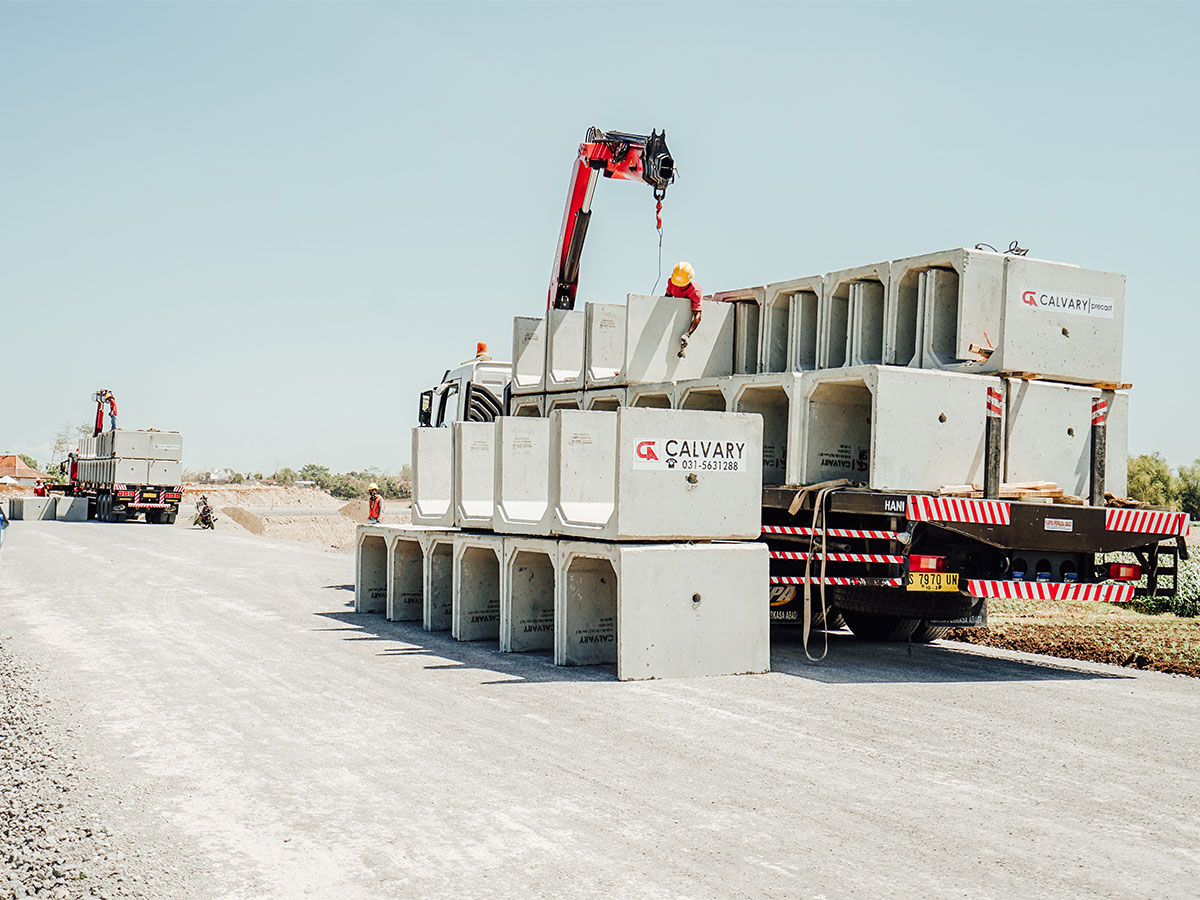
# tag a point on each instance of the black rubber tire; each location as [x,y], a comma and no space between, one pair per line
[153,516]
[899,602]
[169,519]
[104,508]
[874,627]
[924,632]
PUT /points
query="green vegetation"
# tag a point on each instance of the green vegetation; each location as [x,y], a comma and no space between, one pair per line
[1152,481]
[28,460]
[349,485]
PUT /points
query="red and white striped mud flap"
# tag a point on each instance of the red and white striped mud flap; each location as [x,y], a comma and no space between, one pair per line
[798,531]
[922,508]
[838,582]
[1147,521]
[1050,590]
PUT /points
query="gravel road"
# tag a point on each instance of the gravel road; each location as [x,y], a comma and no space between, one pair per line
[241,733]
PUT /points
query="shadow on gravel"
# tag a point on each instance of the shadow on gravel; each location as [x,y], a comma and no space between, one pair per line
[482,657]
[851,661]
[339,587]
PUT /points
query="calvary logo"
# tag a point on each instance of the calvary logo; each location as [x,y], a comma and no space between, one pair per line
[645,450]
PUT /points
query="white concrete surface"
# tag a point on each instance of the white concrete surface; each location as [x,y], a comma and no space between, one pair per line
[661,395]
[530,406]
[406,577]
[569,400]
[604,345]
[565,334]
[522,476]
[836,314]
[528,355]
[71,509]
[747,325]
[605,399]
[226,694]
[474,473]
[164,472]
[789,325]
[653,326]
[438,611]
[527,594]
[478,582]
[433,477]
[371,569]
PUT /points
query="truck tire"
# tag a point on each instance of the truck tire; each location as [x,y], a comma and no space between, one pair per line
[924,632]
[918,605]
[875,627]
[169,519]
[154,516]
[104,507]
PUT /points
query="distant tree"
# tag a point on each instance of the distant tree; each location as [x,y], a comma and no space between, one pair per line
[236,478]
[258,476]
[1151,480]
[313,472]
[1189,489]
[285,476]
[406,472]
[28,460]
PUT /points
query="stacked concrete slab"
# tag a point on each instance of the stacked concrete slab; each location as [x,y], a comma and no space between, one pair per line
[132,457]
[822,359]
[583,504]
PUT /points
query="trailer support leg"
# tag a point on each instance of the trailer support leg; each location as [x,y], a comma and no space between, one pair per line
[1099,442]
[994,437]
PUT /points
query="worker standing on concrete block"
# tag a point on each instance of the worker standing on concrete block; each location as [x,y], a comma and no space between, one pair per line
[374,504]
[112,409]
[39,489]
[683,284]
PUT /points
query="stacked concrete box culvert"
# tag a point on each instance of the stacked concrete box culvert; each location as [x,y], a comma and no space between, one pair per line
[433,477]
[604,345]
[837,320]
[868,309]
[644,474]
[478,582]
[704,394]
[662,395]
[790,317]
[747,322]
[521,481]
[438,610]
[527,406]
[164,471]
[528,355]
[371,569]
[565,338]
[605,399]
[71,509]
[663,610]
[770,398]
[1048,436]
[653,327]
[889,428]
[474,473]
[530,580]
[406,576]
[570,400]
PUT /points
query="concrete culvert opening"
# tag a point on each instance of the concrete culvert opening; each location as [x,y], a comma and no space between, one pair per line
[869,315]
[704,398]
[839,326]
[940,287]
[527,410]
[590,612]
[804,315]
[908,310]
[653,401]
[371,596]
[479,595]
[770,401]
[441,586]
[776,318]
[408,582]
[839,432]
[531,580]
[571,403]
[605,404]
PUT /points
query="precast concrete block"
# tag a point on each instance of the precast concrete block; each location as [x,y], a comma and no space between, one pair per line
[1048,436]
[405,577]
[371,569]
[747,325]
[663,610]
[605,399]
[474,473]
[604,345]
[527,406]
[868,301]
[569,400]
[433,477]
[478,581]
[87,448]
[565,337]
[652,396]
[704,393]
[131,471]
[890,428]
[70,509]
[789,325]
[130,444]
[438,600]
[653,326]
[528,355]
[770,398]
[941,303]
[522,476]
[648,474]
[164,472]
[527,602]
[16,509]
[836,315]
[166,445]
[104,444]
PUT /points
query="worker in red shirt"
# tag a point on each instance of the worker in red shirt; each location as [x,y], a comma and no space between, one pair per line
[112,409]
[39,489]
[374,504]
[683,284]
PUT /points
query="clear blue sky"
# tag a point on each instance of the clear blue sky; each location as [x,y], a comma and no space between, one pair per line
[270,225]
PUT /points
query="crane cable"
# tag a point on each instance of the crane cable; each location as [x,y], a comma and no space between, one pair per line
[658,197]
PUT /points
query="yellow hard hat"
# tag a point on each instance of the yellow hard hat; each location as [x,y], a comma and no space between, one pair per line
[683,274]
[372,486]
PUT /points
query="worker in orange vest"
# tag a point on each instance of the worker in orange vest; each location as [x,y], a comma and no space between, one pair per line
[112,409]
[374,504]
[683,284]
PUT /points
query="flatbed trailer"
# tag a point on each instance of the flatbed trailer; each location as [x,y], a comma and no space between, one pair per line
[119,502]
[909,566]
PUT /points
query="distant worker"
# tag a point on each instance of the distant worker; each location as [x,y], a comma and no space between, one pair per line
[39,489]
[683,284]
[3,523]
[374,504]
[112,409]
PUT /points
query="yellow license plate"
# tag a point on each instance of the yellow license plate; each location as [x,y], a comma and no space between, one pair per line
[932,581]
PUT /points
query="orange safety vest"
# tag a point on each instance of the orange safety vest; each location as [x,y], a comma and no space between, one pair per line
[375,509]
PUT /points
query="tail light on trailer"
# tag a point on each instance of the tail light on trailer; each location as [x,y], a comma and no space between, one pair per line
[1124,572]
[919,563]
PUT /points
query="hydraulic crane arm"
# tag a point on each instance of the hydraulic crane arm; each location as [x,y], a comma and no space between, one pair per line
[613,154]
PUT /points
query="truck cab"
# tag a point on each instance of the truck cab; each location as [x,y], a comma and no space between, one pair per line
[473,391]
